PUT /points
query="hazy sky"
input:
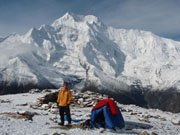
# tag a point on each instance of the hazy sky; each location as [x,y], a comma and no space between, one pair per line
[162,17]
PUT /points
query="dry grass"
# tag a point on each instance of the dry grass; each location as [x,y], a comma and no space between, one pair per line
[68,128]
[17,116]
[60,133]
[13,115]
[25,104]
[5,101]
[176,124]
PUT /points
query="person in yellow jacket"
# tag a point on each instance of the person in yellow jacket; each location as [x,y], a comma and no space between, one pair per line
[63,101]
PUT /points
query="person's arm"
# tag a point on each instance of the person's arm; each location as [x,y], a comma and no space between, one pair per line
[58,99]
[69,97]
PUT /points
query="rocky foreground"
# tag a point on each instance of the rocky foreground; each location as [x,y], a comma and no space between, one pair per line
[36,112]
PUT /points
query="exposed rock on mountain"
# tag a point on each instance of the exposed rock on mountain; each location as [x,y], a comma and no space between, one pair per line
[131,65]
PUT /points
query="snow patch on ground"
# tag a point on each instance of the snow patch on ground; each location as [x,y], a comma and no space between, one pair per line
[137,119]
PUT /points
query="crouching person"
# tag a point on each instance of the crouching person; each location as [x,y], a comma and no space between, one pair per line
[64,100]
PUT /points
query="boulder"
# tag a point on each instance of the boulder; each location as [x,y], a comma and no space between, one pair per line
[27,114]
[144,133]
[176,120]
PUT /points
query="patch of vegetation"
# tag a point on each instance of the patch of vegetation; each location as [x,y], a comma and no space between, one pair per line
[13,115]
[80,126]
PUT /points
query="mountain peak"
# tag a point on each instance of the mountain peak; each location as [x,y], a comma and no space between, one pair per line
[71,18]
[70,15]
[127,55]
[67,19]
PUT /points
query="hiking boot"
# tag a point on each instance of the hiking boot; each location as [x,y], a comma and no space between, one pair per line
[69,125]
[61,123]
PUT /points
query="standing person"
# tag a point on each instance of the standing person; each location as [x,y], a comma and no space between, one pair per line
[64,100]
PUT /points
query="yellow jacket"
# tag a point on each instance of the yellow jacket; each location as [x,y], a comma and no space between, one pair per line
[64,97]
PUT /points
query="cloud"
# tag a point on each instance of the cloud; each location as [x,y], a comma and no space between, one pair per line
[159,16]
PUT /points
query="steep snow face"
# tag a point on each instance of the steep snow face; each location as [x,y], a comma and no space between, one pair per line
[153,60]
[83,47]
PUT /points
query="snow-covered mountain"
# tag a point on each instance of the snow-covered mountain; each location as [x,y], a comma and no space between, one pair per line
[85,49]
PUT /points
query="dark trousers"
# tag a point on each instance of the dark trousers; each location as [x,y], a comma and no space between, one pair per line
[65,110]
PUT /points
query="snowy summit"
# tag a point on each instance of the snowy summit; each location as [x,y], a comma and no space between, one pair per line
[87,50]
